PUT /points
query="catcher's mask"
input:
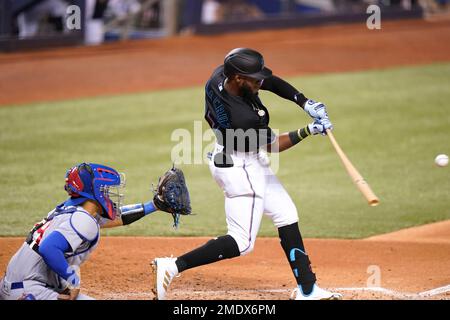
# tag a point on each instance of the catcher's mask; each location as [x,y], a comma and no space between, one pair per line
[246,62]
[96,182]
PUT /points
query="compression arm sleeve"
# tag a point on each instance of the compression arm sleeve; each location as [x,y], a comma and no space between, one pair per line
[52,250]
[283,89]
[134,212]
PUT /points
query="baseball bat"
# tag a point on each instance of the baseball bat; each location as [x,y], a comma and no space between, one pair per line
[362,185]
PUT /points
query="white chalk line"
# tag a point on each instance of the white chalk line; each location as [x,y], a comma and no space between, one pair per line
[436,291]
[388,292]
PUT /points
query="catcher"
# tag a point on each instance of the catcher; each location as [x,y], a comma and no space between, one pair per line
[46,267]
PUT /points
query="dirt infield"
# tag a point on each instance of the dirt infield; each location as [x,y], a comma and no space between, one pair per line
[140,66]
[413,264]
[438,232]
[408,269]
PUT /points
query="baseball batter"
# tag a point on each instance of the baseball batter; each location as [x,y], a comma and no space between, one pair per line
[46,267]
[238,164]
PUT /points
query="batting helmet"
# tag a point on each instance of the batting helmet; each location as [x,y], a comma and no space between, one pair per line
[246,62]
[95,182]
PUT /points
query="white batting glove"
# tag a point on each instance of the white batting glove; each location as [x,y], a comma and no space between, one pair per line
[320,126]
[316,110]
[326,123]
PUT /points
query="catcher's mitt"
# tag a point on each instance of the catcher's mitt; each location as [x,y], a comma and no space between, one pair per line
[172,195]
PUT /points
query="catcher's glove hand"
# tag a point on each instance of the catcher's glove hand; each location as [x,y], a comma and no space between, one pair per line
[172,195]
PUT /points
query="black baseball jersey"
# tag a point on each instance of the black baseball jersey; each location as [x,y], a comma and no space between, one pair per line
[244,119]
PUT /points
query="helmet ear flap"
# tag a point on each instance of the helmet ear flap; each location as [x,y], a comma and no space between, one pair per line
[79,180]
[69,190]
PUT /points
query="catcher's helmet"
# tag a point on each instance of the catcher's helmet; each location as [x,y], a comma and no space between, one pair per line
[246,62]
[95,182]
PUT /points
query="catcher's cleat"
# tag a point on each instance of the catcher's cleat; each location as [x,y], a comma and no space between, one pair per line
[164,270]
[316,294]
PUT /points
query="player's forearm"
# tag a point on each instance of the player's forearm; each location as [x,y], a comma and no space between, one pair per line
[288,139]
[132,213]
[282,143]
[117,222]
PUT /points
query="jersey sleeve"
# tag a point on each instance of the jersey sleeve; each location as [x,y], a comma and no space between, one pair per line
[79,228]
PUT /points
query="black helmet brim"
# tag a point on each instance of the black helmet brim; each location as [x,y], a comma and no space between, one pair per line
[261,75]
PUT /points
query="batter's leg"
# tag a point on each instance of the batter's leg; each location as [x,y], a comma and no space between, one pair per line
[292,243]
[281,209]
[243,215]
[244,208]
[214,250]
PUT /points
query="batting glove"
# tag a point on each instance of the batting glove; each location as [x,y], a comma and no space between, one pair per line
[316,110]
[320,126]
[326,123]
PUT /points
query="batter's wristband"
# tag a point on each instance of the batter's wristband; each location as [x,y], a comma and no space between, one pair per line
[298,135]
[304,132]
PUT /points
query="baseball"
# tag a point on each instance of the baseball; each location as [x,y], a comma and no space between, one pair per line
[441,160]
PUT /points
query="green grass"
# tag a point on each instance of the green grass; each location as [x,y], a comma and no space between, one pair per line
[390,123]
